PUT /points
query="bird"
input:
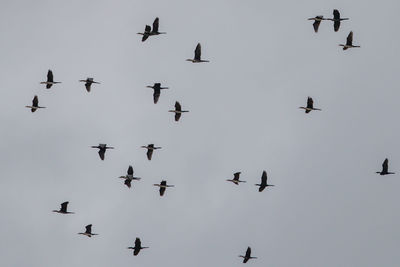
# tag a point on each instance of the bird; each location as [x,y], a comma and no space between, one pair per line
[157,91]
[88,83]
[197,55]
[336,20]
[385,167]
[137,247]
[178,111]
[317,21]
[50,80]
[247,256]
[310,105]
[35,104]
[129,177]
[150,148]
[349,42]
[235,179]
[163,185]
[88,231]
[264,183]
[150,32]
[102,149]
[63,209]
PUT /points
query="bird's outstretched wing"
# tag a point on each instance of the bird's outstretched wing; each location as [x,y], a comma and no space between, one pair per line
[155,25]
[349,40]
[197,52]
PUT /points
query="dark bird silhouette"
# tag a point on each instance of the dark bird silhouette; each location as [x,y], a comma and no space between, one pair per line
[150,148]
[63,208]
[157,91]
[235,179]
[129,177]
[197,55]
[385,168]
[50,80]
[88,83]
[88,231]
[349,42]
[178,111]
[247,256]
[150,32]
[137,247]
[163,185]
[310,105]
[264,183]
[317,21]
[35,104]
[336,20]
[102,149]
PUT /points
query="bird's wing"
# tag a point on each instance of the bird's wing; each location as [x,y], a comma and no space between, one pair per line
[155,25]
[145,36]
[177,116]
[101,153]
[147,29]
[248,252]
[336,14]
[35,101]
[178,106]
[349,40]
[310,102]
[336,25]
[316,25]
[128,182]
[64,206]
[50,76]
[87,85]
[149,153]
[197,52]
[156,96]
[162,190]
[264,178]
[88,229]
[236,176]
[130,170]
[137,242]
[385,165]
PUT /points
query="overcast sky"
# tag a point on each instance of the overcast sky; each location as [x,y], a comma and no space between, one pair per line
[328,206]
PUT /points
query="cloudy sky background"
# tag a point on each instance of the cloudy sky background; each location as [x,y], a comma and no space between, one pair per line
[328,207]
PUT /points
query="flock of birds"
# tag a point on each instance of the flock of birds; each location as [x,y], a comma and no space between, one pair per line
[129,177]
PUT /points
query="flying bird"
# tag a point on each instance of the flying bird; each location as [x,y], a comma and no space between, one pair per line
[197,55]
[150,32]
[157,91]
[336,20]
[385,167]
[137,247]
[317,21]
[235,179]
[349,42]
[50,80]
[129,177]
[88,231]
[264,183]
[102,149]
[88,83]
[35,104]
[178,111]
[310,105]
[247,256]
[163,185]
[150,148]
[63,209]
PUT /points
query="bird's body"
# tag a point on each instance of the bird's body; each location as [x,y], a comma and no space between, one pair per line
[178,111]
[310,105]
[129,177]
[235,179]
[157,91]
[63,209]
[197,55]
[264,183]
[50,80]
[137,247]
[317,21]
[385,168]
[336,20]
[88,231]
[102,149]
[150,148]
[88,83]
[151,32]
[35,104]
[349,42]
[247,256]
[163,185]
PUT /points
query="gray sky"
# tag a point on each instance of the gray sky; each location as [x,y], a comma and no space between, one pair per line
[328,207]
